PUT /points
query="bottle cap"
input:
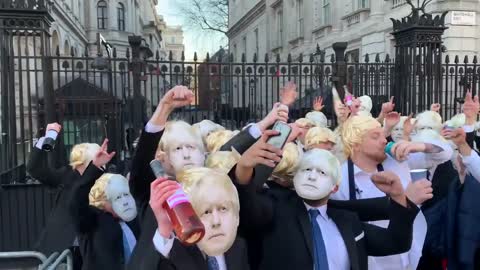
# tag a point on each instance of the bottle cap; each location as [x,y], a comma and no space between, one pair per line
[157,168]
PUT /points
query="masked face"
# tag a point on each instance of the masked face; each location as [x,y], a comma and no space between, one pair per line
[397,133]
[220,219]
[185,155]
[118,195]
[312,183]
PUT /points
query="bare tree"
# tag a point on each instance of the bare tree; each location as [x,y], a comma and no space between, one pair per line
[208,15]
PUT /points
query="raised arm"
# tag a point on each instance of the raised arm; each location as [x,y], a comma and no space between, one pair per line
[83,216]
[39,168]
[141,175]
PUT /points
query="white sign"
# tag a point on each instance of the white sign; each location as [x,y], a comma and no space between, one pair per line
[463,18]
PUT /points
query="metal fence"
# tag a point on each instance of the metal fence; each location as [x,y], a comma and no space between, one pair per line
[94,95]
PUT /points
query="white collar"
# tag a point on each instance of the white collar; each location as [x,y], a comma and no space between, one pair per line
[322,209]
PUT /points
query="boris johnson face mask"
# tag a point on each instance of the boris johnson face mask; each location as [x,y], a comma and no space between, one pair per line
[119,196]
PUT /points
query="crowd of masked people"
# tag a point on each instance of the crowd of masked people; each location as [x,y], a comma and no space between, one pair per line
[382,192]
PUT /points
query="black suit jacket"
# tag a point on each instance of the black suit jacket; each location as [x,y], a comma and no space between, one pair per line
[288,241]
[185,257]
[59,232]
[100,234]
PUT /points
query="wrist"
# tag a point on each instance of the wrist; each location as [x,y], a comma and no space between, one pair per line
[400,199]
[464,149]
[161,114]
[243,174]
[262,125]
[164,232]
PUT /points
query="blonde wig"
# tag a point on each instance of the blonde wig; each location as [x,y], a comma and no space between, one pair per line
[366,103]
[354,130]
[195,178]
[456,121]
[429,119]
[217,139]
[173,129]
[222,160]
[287,166]
[317,135]
[318,118]
[205,127]
[305,123]
[82,154]
[97,196]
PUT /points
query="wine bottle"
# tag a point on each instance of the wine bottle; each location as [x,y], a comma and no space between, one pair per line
[187,225]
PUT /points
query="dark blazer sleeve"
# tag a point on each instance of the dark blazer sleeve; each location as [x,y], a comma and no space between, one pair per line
[141,175]
[477,142]
[241,142]
[83,215]
[367,209]
[39,168]
[256,207]
[395,239]
[471,138]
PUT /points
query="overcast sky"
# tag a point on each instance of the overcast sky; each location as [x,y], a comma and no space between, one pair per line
[194,40]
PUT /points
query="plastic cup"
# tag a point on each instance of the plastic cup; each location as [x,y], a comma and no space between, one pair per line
[418,174]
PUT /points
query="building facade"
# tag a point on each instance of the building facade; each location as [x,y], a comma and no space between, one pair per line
[173,38]
[297,26]
[78,22]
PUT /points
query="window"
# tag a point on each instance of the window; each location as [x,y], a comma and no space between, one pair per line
[325,12]
[363,4]
[102,15]
[300,23]
[279,28]
[359,4]
[121,17]
[256,42]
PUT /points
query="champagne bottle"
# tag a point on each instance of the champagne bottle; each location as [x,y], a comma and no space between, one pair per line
[187,225]
[49,141]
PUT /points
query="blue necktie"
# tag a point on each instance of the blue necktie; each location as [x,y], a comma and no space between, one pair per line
[320,255]
[126,248]
[212,263]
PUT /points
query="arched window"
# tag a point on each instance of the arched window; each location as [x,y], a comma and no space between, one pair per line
[102,15]
[121,17]
[66,48]
[55,42]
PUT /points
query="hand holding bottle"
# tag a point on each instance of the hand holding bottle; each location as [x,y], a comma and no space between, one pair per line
[51,134]
[160,190]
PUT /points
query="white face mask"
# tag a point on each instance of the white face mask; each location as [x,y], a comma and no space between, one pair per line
[220,220]
[186,156]
[311,183]
[397,134]
[118,194]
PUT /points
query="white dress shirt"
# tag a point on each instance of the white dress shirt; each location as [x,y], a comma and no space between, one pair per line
[366,189]
[164,246]
[472,163]
[334,244]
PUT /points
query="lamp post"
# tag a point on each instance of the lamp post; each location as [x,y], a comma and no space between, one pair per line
[140,52]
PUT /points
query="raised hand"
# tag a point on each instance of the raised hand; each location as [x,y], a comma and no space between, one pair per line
[419,191]
[178,96]
[259,153]
[318,104]
[160,190]
[471,107]
[408,126]
[390,184]
[391,120]
[289,94]
[54,126]
[279,112]
[342,112]
[102,157]
[388,106]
